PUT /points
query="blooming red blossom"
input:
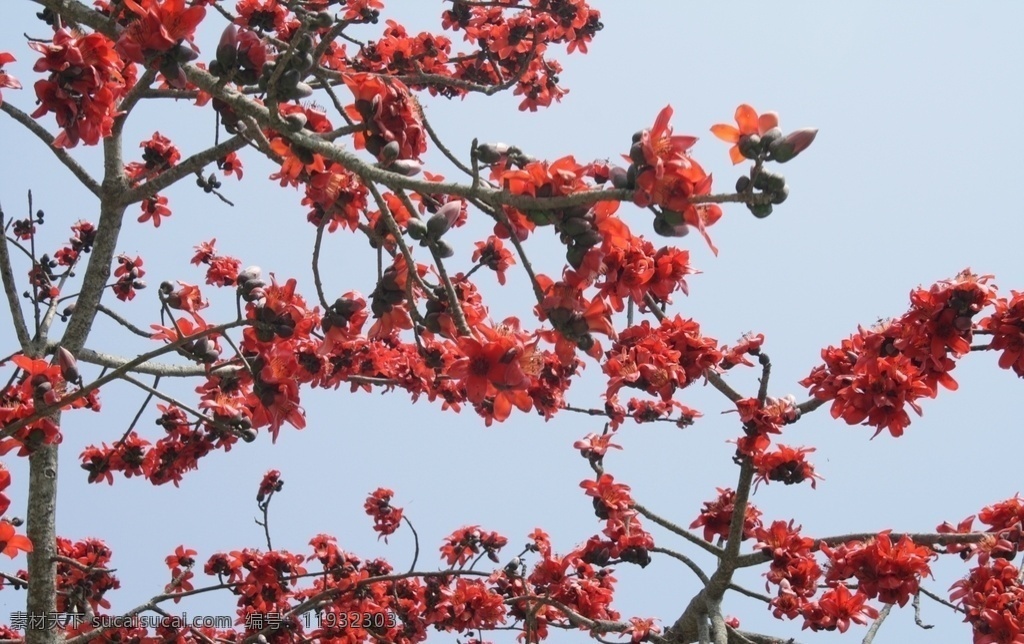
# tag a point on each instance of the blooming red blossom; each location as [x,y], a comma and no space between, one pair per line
[495,367]
[748,123]
[182,558]
[158,154]
[389,114]
[1007,327]
[467,542]
[993,599]
[493,254]
[717,515]
[836,609]
[785,464]
[87,78]
[594,446]
[873,376]
[660,360]
[10,542]
[386,517]
[154,208]
[6,80]
[155,37]
[891,572]
[230,165]
[669,177]
[608,495]
[270,483]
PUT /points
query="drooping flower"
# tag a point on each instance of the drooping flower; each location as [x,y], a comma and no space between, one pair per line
[6,80]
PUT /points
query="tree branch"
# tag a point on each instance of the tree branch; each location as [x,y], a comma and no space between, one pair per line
[11,289]
[62,155]
[124,368]
[189,166]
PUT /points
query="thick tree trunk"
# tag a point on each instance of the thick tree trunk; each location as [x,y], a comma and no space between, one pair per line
[42,501]
[41,529]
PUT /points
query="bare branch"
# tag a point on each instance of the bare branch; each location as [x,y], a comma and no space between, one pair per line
[683,558]
[123,322]
[11,289]
[675,529]
[875,625]
[43,135]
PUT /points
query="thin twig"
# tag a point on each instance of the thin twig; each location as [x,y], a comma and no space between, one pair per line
[875,625]
[69,162]
[116,317]
[675,529]
[11,289]
[85,390]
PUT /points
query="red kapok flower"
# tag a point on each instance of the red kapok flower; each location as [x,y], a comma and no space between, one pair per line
[11,543]
[6,80]
[747,123]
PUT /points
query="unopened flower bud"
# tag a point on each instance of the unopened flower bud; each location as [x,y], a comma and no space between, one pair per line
[416,228]
[769,137]
[68,365]
[296,121]
[390,152]
[250,273]
[302,90]
[779,196]
[666,229]
[451,211]
[406,167]
[636,154]
[444,249]
[792,144]
[437,225]
[749,145]
[323,20]
[227,50]
[491,152]
[618,178]
[673,218]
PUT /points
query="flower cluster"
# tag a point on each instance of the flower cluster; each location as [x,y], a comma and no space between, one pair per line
[660,359]
[665,175]
[386,517]
[157,33]
[84,578]
[158,155]
[465,543]
[389,115]
[1006,325]
[626,538]
[1005,521]
[992,597]
[87,79]
[762,420]
[37,384]
[873,376]
[890,572]
[716,517]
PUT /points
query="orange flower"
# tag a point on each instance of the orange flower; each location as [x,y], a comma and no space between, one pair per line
[749,123]
[11,543]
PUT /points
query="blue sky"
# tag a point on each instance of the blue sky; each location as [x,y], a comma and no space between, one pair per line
[911,179]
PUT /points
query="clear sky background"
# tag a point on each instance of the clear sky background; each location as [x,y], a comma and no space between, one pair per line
[913,177]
